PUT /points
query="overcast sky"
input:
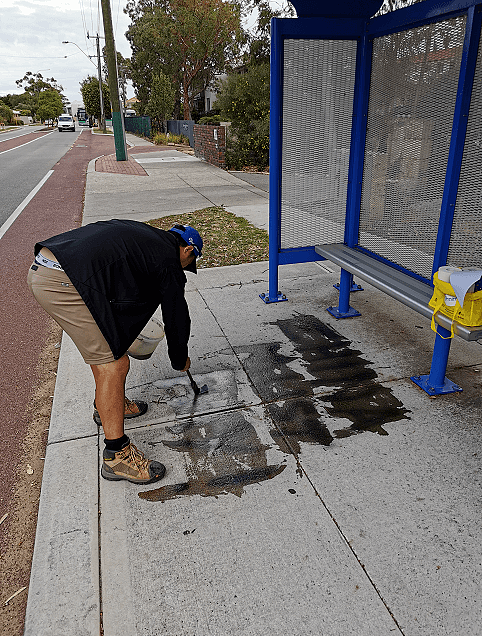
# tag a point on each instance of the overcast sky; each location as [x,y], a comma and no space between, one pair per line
[31,35]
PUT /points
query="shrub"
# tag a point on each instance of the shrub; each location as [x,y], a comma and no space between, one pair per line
[244,101]
[213,120]
[162,139]
[249,148]
[6,113]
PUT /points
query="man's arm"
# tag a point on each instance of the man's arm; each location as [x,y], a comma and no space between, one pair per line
[177,322]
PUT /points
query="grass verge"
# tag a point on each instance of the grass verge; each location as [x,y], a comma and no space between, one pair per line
[228,239]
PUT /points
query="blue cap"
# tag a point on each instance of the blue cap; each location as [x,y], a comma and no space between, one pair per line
[191,236]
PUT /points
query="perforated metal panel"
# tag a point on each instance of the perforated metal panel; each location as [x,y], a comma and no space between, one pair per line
[318,86]
[465,247]
[412,100]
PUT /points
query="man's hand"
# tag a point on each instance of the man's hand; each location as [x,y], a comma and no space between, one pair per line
[188,364]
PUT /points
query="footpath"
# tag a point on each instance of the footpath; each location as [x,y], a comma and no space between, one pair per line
[314,490]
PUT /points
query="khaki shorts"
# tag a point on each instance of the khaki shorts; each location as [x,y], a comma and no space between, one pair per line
[55,293]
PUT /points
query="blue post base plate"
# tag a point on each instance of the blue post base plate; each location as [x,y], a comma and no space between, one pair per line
[277,299]
[423,383]
[351,313]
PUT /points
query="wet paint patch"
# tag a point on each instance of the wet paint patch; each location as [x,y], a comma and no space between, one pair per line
[223,455]
[325,360]
[308,382]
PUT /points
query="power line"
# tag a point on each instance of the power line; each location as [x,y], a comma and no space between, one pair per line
[98,15]
[82,13]
[117,17]
[91,15]
[32,57]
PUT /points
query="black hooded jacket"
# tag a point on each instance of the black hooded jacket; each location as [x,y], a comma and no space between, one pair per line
[124,270]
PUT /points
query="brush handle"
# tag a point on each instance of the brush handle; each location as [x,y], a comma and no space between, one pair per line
[194,386]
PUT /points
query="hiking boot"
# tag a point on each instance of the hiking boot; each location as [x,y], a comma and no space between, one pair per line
[129,463]
[132,408]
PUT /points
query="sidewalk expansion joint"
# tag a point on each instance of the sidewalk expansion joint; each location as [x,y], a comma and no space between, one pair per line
[71,439]
[347,542]
[200,194]
[99,538]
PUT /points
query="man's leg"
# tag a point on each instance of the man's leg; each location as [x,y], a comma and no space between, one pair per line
[122,460]
[110,382]
[54,291]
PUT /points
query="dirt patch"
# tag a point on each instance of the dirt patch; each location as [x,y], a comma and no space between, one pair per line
[18,529]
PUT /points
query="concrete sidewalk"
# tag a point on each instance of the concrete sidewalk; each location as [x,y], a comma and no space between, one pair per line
[174,182]
[313,490]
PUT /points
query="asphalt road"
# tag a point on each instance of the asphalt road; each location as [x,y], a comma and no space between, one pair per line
[25,158]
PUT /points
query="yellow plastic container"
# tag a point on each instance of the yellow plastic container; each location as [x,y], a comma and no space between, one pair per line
[445,301]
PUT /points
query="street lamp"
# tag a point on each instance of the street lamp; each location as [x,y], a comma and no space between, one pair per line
[67,42]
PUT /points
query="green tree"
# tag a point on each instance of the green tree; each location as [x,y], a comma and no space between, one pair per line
[393,5]
[244,101]
[34,83]
[161,101]
[258,38]
[6,99]
[89,87]
[123,73]
[6,113]
[188,40]
[49,105]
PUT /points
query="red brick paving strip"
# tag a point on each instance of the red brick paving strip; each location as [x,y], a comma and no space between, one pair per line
[57,207]
[109,163]
[8,144]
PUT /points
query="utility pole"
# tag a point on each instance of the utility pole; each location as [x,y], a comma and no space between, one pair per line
[99,72]
[111,55]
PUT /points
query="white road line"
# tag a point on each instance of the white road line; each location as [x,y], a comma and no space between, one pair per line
[23,205]
[26,143]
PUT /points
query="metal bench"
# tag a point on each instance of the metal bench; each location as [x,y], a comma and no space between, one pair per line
[406,289]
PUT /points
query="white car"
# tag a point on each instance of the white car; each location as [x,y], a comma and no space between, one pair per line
[66,122]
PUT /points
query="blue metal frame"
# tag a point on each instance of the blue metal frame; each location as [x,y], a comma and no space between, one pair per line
[355,173]
[354,287]
[459,130]
[417,14]
[436,383]
[365,31]
[298,255]
[275,149]
[300,28]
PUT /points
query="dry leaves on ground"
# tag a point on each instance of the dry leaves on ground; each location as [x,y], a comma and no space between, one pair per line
[228,239]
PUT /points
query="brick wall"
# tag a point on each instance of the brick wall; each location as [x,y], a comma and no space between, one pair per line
[210,144]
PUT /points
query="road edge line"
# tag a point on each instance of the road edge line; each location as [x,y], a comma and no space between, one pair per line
[16,213]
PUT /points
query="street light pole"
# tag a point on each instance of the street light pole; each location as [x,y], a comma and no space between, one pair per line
[99,72]
[117,117]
